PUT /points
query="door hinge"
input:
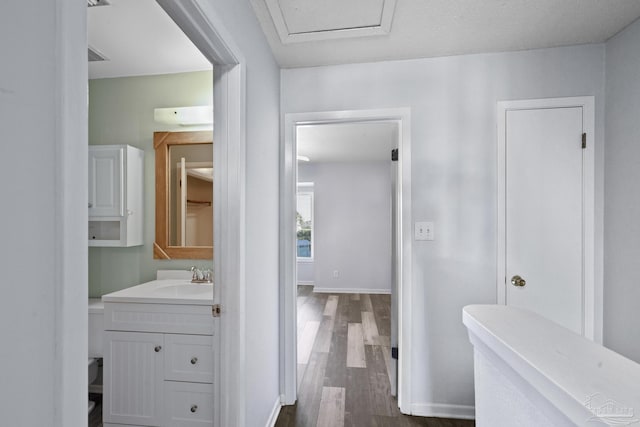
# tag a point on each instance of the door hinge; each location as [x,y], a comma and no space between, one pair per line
[394,353]
[394,155]
[584,140]
[215,310]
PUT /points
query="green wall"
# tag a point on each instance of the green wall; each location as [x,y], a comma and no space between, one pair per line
[121,112]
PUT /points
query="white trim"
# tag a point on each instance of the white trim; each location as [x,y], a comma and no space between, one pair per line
[288,362]
[69,280]
[306,283]
[441,410]
[209,34]
[351,291]
[592,285]
[273,417]
[381,29]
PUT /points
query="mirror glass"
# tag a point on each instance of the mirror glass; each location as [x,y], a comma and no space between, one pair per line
[184,195]
[191,195]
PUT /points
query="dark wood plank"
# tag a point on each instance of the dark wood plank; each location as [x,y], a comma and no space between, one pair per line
[336,371]
[365,303]
[355,313]
[310,392]
[358,405]
[380,390]
[324,335]
[287,416]
[382,313]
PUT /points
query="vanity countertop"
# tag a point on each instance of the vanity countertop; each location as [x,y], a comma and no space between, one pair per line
[164,292]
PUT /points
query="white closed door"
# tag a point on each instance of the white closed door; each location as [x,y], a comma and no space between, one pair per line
[543,213]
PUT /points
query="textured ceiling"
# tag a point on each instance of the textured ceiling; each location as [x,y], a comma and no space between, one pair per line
[429,28]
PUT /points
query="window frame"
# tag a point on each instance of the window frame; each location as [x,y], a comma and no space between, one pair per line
[306,189]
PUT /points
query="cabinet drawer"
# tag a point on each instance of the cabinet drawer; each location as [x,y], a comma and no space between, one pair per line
[169,318]
[188,404]
[188,358]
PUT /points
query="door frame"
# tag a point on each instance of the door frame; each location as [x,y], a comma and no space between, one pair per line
[208,33]
[288,294]
[592,283]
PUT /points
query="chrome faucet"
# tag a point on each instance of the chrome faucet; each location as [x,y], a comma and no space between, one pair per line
[201,276]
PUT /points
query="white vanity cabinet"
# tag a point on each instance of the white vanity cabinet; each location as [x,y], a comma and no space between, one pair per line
[158,365]
[116,176]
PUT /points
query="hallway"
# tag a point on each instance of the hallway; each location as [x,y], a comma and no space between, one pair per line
[343,363]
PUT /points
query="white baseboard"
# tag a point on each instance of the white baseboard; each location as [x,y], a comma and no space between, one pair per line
[351,291]
[274,413]
[441,410]
[306,282]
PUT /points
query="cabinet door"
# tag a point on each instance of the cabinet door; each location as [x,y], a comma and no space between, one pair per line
[106,180]
[133,376]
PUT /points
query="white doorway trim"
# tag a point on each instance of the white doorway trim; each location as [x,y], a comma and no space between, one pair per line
[592,284]
[288,297]
[209,35]
[69,279]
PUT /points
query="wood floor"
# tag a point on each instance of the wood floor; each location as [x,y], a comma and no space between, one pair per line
[343,364]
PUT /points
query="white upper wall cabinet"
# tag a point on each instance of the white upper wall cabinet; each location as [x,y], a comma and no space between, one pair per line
[115,195]
[106,178]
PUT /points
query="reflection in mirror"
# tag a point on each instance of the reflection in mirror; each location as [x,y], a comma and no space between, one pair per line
[190,195]
[184,195]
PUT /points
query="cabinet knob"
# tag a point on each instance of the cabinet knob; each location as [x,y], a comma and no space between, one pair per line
[157,348]
[194,360]
[90,205]
[194,408]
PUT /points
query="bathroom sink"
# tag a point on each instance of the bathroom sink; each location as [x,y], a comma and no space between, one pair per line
[168,291]
[191,289]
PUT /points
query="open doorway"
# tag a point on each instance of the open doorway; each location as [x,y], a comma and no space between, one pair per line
[341,314]
[344,268]
[148,63]
[212,39]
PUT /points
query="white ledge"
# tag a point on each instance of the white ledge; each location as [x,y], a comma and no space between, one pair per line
[568,378]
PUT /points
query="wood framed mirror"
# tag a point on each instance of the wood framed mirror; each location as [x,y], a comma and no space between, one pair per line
[184,195]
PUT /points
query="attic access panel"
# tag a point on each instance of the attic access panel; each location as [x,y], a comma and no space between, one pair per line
[311,20]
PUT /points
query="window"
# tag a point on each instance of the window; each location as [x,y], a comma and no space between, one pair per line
[304,225]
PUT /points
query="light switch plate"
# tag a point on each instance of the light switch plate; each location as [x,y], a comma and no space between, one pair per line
[424,230]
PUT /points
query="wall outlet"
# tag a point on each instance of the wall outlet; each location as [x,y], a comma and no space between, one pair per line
[336,274]
[424,230]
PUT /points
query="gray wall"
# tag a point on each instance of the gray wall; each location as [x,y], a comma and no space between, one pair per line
[43,222]
[622,195]
[352,230]
[262,192]
[121,112]
[453,136]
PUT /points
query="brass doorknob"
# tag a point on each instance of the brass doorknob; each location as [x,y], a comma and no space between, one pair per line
[518,281]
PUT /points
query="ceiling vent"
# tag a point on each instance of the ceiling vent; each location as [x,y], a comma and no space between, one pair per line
[95,56]
[92,3]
